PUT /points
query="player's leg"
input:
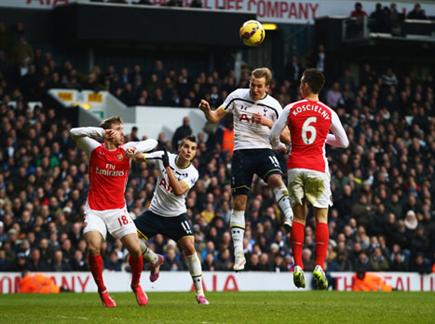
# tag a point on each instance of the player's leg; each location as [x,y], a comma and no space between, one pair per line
[135,259]
[121,226]
[241,179]
[94,234]
[269,168]
[237,224]
[297,239]
[318,192]
[281,195]
[187,245]
[322,240]
[147,227]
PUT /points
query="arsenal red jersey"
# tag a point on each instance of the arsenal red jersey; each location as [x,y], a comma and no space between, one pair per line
[309,123]
[108,175]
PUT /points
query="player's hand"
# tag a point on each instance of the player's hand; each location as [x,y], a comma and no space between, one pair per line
[109,134]
[280,148]
[260,119]
[131,152]
[165,158]
[204,105]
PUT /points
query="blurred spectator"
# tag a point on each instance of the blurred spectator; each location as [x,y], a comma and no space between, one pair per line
[113,263]
[294,69]
[319,58]
[59,263]
[417,13]
[355,25]
[78,262]
[358,12]
[334,97]
[377,261]
[380,19]
[389,78]
[181,132]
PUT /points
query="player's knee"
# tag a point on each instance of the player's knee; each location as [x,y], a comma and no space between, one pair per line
[94,249]
[240,202]
[135,251]
[275,180]
[189,249]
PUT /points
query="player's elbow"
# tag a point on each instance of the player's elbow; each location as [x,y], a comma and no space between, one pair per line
[345,143]
[213,119]
[74,133]
[178,192]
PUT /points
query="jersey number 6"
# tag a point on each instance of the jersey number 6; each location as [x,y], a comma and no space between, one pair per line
[307,128]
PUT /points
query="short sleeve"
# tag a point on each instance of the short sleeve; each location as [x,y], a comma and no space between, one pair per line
[229,101]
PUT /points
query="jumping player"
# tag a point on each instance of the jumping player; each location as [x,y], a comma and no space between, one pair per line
[254,112]
[309,121]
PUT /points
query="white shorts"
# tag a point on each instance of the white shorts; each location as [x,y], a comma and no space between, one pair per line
[312,185]
[116,221]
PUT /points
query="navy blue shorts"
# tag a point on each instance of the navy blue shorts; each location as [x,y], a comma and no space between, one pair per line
[245,163]
[150,224]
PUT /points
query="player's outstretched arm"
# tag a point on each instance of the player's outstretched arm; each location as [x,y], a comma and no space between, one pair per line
[141,156]
[213,116]
[338,138]
[142,146]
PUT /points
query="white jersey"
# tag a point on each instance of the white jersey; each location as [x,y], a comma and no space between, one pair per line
[165,202]
[249,135]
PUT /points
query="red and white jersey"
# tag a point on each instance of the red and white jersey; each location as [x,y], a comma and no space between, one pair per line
[108,176]
[108,169]
[309,123]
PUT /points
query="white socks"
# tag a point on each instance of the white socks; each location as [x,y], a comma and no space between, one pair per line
[148,254]
[283,200]
[195,270]
[237,225]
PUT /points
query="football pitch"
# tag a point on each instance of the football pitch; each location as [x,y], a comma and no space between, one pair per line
[242,307]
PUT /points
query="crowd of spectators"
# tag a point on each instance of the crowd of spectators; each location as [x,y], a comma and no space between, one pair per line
[384,18]
[383,213]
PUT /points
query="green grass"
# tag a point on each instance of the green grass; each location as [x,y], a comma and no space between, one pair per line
[246,307]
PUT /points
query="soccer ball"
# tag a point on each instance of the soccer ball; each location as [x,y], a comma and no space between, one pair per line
[252,33]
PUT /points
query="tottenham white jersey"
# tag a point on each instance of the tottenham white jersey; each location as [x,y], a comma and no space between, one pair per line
[249,135]
[165,202]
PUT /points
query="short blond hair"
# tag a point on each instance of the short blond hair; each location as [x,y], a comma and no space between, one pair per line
[108,122]
[262,72]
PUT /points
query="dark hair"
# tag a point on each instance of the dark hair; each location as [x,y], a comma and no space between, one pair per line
[262,72]
[315,79]
[191,138]
[108,122]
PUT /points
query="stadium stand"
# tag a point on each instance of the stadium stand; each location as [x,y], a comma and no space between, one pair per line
[383,213]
